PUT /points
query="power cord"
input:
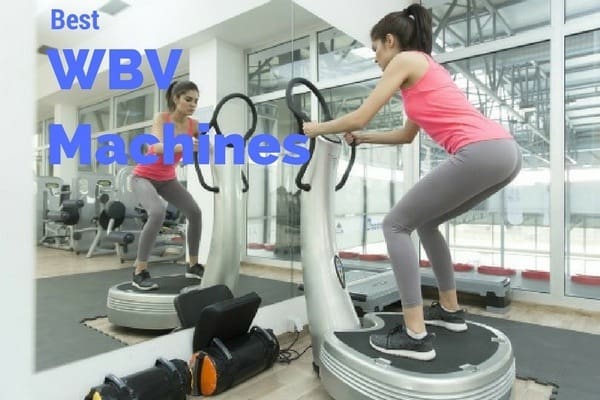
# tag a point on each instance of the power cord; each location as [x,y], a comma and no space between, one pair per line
[287,355]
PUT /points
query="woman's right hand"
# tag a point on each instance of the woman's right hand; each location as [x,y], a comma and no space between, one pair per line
[352,138]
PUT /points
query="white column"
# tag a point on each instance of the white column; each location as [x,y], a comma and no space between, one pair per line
[557,151]
[66,115]
[218,68]
[17,342]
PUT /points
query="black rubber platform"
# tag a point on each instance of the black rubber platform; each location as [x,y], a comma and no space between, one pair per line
[453,349]
[168,285]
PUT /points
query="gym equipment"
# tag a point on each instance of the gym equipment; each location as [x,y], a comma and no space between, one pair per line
[69,213]
[227,351]
[60,216]
[95,190]
[189,305]
[167,380]
[476,364]
[373,286]
[129,307]
[225,364]
[110,218]
[47,189]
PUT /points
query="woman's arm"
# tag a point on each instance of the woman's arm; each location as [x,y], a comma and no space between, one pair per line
[393,77]
[404,135]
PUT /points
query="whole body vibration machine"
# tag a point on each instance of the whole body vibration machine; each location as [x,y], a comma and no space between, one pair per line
[474,365]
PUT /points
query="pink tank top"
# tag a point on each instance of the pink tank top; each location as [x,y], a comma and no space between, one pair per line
[159,171]
[444,112]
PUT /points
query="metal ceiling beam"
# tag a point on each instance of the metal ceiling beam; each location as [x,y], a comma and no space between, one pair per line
[492,10]
[449,29]
[583,107]
[444,20]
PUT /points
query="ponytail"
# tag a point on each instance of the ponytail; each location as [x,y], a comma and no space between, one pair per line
[411,27]
[422,34]
[169,96]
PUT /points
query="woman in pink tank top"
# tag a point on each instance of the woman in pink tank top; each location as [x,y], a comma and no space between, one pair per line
[155,184]
[483,158]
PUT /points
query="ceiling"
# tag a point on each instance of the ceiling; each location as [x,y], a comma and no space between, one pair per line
[274,18]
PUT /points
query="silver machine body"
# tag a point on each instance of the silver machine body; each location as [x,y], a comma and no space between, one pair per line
[223,263]
[346,372]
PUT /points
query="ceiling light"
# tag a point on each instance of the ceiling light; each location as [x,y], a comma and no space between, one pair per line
[43,49]
[113,7]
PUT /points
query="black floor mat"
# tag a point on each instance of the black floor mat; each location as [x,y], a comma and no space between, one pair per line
[63,302]
[564,358]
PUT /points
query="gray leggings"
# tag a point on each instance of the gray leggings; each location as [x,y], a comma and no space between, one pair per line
[149,193]
[468,177]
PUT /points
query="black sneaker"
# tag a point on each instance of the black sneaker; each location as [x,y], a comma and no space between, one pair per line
[195,271]
[142,281]
[399,343]
[453,321]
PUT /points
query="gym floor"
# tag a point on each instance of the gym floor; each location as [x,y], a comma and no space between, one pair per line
[296,380]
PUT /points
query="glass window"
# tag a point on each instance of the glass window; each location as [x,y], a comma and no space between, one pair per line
[463,23]
[273,213]
[340,55]
[580,8]
[375,183]
[511,228]
[98,116]
[127,137]
[582,163]
[271,69]
[135,107]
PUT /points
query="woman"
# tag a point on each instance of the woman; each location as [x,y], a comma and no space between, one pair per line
[484,158]
[157,182]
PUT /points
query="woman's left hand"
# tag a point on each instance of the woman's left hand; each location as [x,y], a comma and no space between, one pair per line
[310,129]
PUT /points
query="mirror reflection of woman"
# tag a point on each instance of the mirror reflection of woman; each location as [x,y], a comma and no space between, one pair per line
[153,184]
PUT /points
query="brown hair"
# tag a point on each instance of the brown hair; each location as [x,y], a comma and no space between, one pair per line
[176,89]
[411,27]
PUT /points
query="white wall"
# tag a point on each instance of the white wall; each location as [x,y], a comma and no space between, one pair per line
[17,294]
